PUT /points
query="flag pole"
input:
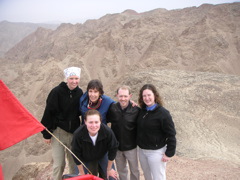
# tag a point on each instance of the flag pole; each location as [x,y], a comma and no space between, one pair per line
[68,150]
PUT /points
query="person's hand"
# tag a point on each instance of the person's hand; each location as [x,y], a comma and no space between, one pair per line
[165,158]
[81,174]
[81,170]
[133,103]
[47,141]
[112,173]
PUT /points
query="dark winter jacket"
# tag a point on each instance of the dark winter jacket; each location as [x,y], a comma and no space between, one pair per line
[62,109]
[83,148]
[156,129]
[124,125]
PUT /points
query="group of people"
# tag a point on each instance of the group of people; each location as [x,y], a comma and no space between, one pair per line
[143,132]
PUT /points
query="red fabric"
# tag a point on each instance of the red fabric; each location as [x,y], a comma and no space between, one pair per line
[16,122]
[85,177]
[1,173]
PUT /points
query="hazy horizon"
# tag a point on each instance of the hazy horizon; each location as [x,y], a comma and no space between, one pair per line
[78,11]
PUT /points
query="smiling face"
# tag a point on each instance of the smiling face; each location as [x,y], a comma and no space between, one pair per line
[148,97]
[72,82]
[93,123]
[93,95]
[123,97]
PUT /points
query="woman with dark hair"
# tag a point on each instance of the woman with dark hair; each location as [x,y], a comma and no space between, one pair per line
[94,98]
[90,144]
[155,135]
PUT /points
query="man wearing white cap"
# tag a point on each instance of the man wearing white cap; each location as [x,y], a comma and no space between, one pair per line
[61,117]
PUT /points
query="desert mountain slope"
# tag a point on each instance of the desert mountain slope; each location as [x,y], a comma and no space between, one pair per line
[204,107]
[204,38]
[11,33]
[192,55]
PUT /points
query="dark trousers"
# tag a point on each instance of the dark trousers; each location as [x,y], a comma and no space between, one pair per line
[98,167]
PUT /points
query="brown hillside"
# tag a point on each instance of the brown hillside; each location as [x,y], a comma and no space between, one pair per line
[192,55]
[12,33]
[204,38]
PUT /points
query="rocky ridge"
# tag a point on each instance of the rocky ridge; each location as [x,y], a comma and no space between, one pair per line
[191,55]
[12,33]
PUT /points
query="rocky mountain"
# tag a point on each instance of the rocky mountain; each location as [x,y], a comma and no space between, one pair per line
[192,55]
[12,33]
[207,39]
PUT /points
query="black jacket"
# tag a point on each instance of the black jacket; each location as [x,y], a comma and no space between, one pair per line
[156,129]
[62,109]
[83,148]
[124,125]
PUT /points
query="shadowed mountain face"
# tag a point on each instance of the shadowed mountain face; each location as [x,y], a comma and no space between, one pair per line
[192,56]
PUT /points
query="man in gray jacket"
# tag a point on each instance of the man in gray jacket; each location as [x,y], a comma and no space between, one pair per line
[123,118]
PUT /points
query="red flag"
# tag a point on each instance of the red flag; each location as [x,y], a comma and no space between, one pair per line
[16,122]
[85,177]
[1,174]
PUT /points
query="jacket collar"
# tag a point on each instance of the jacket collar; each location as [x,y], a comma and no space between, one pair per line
[157,106]
[129,106]
[86,136]
[64,85]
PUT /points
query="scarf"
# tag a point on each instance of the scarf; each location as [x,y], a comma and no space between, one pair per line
[96,105]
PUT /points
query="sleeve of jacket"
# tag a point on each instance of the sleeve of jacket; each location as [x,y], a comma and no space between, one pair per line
[107,102]
[50,113]
[170,134]
[112,145]
[83,101]
[76,146]
[109,113]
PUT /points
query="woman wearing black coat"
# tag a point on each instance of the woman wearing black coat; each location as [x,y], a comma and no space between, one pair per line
[155,134]
[91,142]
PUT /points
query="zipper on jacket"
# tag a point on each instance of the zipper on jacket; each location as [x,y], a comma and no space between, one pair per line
[145,115]
[70,123]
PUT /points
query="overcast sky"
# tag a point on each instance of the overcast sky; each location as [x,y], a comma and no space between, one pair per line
[73,11]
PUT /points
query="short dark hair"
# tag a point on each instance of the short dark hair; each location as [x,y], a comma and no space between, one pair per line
[92,112]
[151,87]
[95,84]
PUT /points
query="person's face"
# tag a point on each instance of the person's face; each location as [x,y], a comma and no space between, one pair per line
[148,97]
[123,97]
[93,94]
[93,123]
[72,82]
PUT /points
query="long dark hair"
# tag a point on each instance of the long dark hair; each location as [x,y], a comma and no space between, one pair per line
[95,84]
[151,87]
